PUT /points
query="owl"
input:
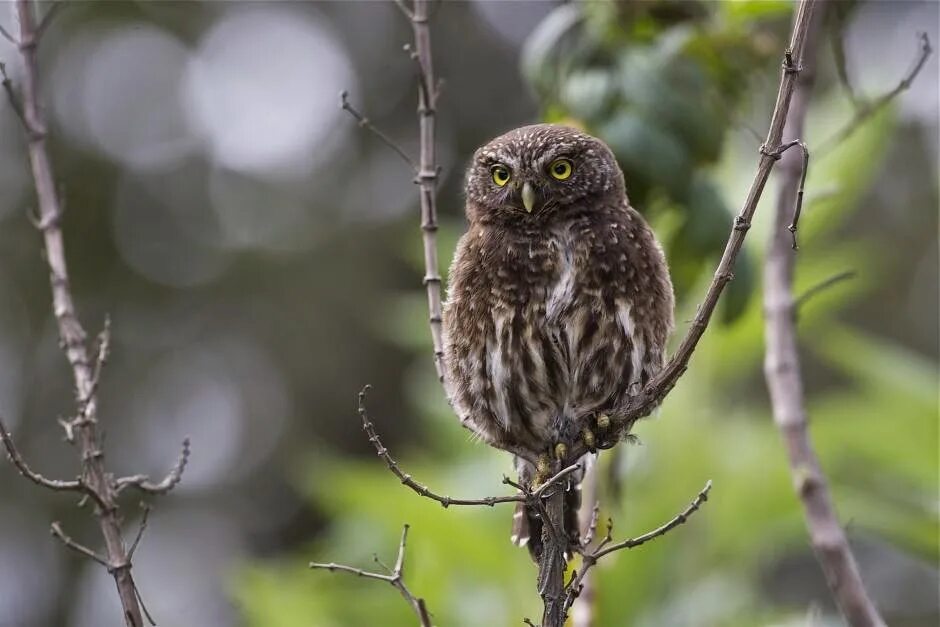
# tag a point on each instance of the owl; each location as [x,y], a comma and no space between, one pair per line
[559,303]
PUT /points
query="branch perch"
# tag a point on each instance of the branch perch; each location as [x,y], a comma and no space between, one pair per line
[447,501]
[660,386]
[395,577]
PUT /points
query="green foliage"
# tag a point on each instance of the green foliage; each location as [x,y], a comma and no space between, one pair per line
[660,82]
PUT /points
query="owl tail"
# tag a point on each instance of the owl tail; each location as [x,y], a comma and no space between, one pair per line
[527,525]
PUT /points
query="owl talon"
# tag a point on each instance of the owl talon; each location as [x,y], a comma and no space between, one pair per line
[588,436]
[561,451]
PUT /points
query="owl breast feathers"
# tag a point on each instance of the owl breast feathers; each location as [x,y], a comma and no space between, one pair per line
[560,302]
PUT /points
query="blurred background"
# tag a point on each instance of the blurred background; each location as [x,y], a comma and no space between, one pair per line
[259,256]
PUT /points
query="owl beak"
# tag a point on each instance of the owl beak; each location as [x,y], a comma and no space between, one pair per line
[528,196]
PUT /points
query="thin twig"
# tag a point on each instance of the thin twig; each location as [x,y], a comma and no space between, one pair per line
[395,578]
[822,286]
[56,529]
[14,455]
[140,531]
[47,19]
[447,501]
[657,389]
[6,35]
[172,479]
[606,547]
[864,111]
[11,94]
[782,372]
[798,205]
[366,123]
[680,519]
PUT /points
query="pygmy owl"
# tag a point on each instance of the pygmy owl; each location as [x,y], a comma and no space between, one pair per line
[559,303]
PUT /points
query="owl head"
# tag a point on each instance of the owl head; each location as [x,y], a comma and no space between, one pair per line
[534,172]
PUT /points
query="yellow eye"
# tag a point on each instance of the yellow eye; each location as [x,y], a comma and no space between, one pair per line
[560,169]
[501,174]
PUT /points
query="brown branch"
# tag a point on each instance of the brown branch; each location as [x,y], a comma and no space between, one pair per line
[17,460]
[94,480]
[172,479]
[140,531]
[427,175]
[447,501]
[660,386]
[395,578]
[820,287]
[605,546]
[864,110]
[56,530]
[367,124]
[782,371]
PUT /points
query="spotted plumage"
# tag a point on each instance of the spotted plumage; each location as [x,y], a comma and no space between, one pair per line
[559,303]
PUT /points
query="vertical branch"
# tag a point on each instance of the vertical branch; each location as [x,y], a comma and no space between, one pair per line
[782,371]
[552,561]
[428,171]
[86,364]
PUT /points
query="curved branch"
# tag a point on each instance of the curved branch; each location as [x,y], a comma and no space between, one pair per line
[447,501]
[172,479]
[14,455]
[660,386]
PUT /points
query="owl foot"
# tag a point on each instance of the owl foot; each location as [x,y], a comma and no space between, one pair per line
[589,440]
[561,451]
[543,470]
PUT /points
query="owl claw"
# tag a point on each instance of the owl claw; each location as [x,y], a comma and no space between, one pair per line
[543,470]
[588,436]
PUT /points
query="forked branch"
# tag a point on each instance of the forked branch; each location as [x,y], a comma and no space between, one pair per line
[393,576]
[85,361]
[606,546]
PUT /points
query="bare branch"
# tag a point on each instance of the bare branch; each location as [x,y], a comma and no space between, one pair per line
[11,94]
[95,481]
[865,110]
[366,123]
[426,492]
[56,529]
[782,372]
[679,519]
[798,205]
[605,547]
[6,35]
[14,455]
[657,389]
[140,531]
[395,578]
[822,286]
[47,20]
[172,479]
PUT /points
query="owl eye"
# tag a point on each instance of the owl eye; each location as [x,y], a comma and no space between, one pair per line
[501,174]
[560,169]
